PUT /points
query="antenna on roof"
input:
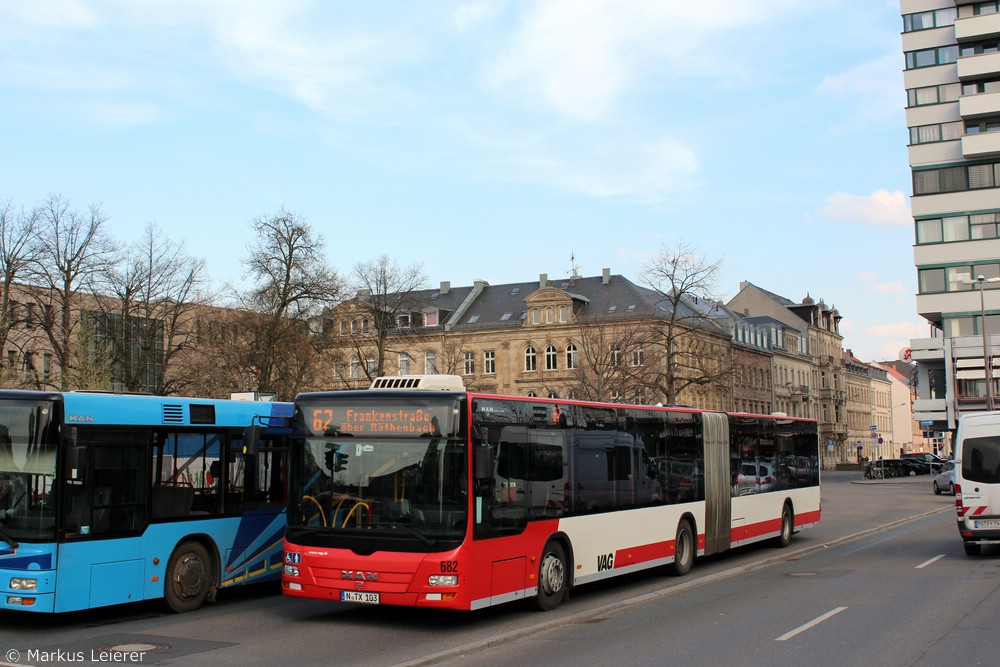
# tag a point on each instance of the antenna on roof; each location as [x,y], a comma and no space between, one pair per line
[574,271]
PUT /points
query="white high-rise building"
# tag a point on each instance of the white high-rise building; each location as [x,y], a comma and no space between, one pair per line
[951,52]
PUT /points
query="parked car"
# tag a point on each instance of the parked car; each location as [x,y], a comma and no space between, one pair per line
[944,479]
[754,478]
[932,462]
[885,468]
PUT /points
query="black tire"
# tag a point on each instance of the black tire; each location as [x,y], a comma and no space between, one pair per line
[553,577]
[784,537]
[188,577]
[684,549]
[937,489]
[972,549]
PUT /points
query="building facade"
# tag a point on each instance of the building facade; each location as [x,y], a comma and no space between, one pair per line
[952,80]
[809,366]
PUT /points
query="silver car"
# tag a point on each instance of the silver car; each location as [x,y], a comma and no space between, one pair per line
[944,479]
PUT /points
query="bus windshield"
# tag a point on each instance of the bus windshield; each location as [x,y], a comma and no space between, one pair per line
[27,470]
[391,474]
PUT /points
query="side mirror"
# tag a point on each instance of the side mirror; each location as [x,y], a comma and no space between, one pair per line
[483,462]
[252,437]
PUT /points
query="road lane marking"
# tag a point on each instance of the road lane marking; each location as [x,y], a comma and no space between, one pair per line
[810,624]
[929,562]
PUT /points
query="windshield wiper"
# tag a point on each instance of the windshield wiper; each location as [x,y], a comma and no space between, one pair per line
[8,539]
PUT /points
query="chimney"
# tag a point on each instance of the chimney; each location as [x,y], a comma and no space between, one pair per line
[543,280]
[445,286]
[605,276]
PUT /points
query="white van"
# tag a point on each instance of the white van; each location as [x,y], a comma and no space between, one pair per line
[977,480]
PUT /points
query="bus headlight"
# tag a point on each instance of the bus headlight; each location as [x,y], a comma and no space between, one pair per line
[291,570]
[442,580]
[22,584]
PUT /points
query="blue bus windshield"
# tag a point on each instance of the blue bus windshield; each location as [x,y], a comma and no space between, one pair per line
[27,470]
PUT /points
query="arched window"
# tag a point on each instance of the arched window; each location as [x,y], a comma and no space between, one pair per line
[530,359]
[532,394]
[371,366]
[553,394]
[536,316]
[355,367]
[572,357]
[563,312]
[551,358]
[548,316]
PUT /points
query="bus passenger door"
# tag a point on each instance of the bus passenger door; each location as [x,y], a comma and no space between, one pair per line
[718,487]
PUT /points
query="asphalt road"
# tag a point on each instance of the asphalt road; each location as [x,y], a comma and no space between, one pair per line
[628,615]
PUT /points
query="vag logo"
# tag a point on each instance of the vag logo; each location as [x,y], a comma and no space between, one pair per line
[605,562]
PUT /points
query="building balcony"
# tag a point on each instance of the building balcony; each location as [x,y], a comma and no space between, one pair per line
[973,28]
[979,66]
[930,409]
[979,106]
[981,145]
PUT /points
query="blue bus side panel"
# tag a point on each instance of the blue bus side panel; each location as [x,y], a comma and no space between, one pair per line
[104,572]
[128,410]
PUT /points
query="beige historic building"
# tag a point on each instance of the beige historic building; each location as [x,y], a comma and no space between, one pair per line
[870,428]
[810,366]
[601,338]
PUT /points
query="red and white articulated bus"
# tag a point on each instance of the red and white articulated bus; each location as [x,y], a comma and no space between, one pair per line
[419,493]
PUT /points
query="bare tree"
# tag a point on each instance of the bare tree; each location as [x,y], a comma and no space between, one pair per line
[685,349]
[73,248]
[149,305]
[19,248]
[385,294]
[293,283]
[603,369]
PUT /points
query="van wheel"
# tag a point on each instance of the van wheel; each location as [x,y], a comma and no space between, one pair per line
[683,549]
[188,577]
[552,577]
[973,549]
[784,538]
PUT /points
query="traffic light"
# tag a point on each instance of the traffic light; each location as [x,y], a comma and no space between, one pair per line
[335,461]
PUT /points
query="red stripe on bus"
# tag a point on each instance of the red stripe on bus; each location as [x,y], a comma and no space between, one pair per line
[643,554]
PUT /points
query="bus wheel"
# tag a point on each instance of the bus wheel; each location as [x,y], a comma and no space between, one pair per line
[784,538]
[188,577]
[552,577]
[683,549]
[973,549]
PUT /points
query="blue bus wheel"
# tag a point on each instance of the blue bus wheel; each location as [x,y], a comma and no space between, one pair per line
[188,577]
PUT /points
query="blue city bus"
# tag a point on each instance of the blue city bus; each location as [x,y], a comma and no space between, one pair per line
[112,498]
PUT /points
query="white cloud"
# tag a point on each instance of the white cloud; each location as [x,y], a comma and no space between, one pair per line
[873,91]
[645,170]
[48,14]
[879,208]
[872,79]
[577,58]
[469,15]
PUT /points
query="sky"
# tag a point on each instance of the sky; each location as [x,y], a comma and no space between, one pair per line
[486,139]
